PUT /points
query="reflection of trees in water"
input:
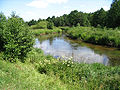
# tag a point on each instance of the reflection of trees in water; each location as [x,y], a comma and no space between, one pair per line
[114,61]
[113,55]
[47,37]
[51,40]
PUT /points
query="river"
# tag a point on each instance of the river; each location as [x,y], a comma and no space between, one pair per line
[65,48]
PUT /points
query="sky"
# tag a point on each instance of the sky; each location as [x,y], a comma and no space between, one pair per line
[35,9]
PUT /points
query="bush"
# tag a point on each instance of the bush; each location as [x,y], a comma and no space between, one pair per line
[2,26]
[18,40]
[50,25]
[40,25]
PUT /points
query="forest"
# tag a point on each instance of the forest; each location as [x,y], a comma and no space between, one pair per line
[100,18]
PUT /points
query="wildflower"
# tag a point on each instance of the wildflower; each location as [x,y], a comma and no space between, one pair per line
[68,65]
[68,61]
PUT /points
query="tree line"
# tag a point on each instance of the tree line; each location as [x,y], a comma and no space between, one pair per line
[99,18]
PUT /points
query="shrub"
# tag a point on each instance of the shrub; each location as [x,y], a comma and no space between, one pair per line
[50,25]
[2,26]
[18,40]
[40,25]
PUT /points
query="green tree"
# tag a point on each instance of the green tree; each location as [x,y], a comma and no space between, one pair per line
[66,20]
[114,14]
[18,39]
[13,14]
[99,17]
[32,22]
[2,27]
[76,17]
[73,18]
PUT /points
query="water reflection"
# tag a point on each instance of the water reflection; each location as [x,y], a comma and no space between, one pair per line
[60,47]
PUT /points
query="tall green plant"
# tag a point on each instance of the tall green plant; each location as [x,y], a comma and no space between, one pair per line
[2,26]
[114,14]
[18,39]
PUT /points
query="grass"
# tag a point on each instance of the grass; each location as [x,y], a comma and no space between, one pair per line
[38,32]
[41,29]
[25,76]
[41,72]
[108,37]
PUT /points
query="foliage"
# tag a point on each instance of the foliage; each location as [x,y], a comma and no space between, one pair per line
[99,18]
[50,25]
[13,14]
[76,17]
[71,19]
[83,76]
[46,31]
[18,40]
[96,35]
[40,25]
[74,75]
[23,76]
[32,22]
[2,26]
[114,14]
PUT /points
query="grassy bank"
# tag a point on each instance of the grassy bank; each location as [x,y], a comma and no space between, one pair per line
[25,76]
[108,37]
[41,72]
[38,32]
[42,29]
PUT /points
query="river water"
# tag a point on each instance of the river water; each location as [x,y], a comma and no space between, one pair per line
[65,48]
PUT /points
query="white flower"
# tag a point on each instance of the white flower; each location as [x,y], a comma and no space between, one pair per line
[68,65]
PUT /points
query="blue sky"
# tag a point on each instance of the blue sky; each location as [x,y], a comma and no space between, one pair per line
[35,9]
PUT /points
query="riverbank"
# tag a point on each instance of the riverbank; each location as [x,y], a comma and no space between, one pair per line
[38,32]
[45,72]
[99,36]
[64,47]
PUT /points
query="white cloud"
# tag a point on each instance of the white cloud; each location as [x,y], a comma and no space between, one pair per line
[57,1]
[38,4]
[45,3]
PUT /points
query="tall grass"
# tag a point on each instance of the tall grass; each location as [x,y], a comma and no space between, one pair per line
[84,76]
[108,37]
[25,76]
